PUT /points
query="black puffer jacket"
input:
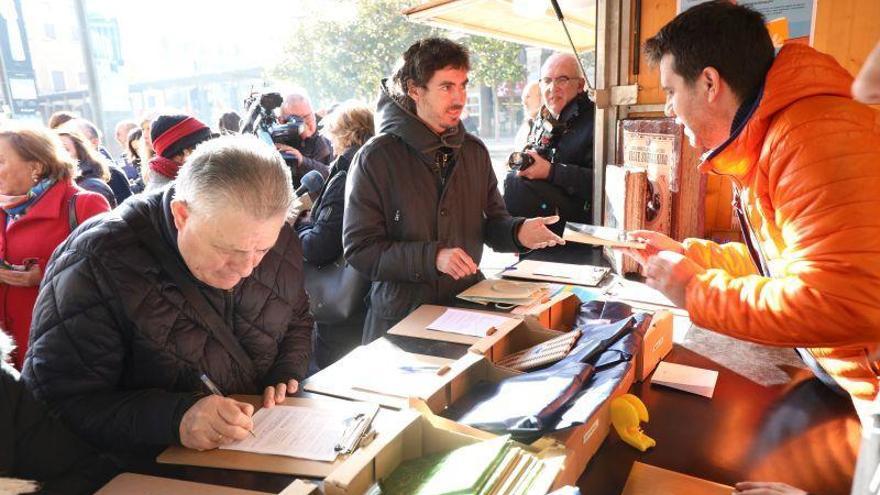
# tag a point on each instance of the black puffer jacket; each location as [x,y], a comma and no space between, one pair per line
[34,445]
[117,348]
[399,213]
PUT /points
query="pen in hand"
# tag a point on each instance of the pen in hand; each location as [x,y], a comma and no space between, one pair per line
[212,387]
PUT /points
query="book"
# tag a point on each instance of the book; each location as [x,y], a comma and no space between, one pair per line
[547,271]
[461,471]
[546,352]
[599,236]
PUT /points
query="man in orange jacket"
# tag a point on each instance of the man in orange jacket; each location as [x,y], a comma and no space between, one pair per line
[804,159]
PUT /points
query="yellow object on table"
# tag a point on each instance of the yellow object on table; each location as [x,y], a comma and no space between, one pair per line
[627,414]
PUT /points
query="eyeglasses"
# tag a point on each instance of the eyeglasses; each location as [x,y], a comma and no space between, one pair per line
[560,81]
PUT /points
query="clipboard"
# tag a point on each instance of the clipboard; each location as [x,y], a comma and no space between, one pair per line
[385,425]
[416,325]
[561,273]
[339,379]
[645,479]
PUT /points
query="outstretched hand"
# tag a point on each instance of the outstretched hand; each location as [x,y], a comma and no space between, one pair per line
[534,234]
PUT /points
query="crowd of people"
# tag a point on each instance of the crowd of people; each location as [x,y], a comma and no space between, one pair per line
[127,284]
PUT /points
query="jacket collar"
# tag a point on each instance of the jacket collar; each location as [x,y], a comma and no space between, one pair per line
[51,205]
[797,73]
[400,120]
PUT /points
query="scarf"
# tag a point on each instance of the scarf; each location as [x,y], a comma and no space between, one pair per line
[164,166]
[16,206]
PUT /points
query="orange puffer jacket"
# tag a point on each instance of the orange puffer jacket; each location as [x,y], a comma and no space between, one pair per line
[806,166]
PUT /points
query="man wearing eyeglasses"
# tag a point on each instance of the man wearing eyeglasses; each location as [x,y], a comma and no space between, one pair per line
[560,181]
[314,152]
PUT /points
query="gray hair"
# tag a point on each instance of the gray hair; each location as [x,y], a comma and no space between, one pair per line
[239,171]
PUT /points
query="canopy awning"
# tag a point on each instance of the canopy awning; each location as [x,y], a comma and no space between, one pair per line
[530,22]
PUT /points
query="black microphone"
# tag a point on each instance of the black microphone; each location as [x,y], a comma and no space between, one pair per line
[310,183]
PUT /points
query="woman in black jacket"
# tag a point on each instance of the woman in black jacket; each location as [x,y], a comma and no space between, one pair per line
[34,445]
[348,127]
[94,171]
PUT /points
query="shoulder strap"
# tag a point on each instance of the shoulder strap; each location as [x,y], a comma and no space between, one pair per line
[216,324]
[71,212]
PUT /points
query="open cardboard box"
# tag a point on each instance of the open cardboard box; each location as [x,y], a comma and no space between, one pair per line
[580,442]
[416,437]
[656,343]
[340,379]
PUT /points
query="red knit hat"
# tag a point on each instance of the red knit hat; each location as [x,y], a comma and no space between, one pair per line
[171,134]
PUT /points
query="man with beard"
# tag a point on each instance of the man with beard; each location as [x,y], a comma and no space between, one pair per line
[424,197]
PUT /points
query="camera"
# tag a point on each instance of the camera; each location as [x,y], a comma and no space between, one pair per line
[520,160]
[260,120]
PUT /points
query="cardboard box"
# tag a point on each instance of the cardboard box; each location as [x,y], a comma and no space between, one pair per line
[387,425]
[657,338]
[340,378]
[656,344]
[417,437]
[580,442]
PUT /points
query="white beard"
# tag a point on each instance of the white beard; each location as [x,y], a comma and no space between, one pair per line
[12,486]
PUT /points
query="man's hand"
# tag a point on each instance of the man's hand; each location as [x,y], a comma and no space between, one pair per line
[455,262]
[534,234]
[765,488]
[539,170]
[214,421]
[290,149]
[670,273]
[277,394]
[28,278]
[654,243]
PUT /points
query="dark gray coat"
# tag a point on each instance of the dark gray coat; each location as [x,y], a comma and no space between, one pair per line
[116,349]
[398,214]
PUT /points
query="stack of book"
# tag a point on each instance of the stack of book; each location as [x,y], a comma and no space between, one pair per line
[508,292]
[496,466]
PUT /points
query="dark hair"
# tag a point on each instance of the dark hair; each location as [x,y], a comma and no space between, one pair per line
[59,118]
[87,157]
[134,135]
[230,123]
[424,57]
[731,38]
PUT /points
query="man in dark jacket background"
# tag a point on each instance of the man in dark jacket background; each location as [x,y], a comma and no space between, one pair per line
[210,283]
[561,142]
[423,196]
[314,152]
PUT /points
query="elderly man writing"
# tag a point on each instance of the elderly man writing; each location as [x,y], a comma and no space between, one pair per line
[210,284]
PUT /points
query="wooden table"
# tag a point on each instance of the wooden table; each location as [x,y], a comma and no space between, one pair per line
[800,433]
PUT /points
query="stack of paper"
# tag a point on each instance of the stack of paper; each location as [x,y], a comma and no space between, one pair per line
[548,271]
[301,432]
[678,376]
[599,236]
[467,322]
[506,292]
[494,466]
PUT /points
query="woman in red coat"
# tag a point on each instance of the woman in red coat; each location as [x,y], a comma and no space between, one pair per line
[36,194]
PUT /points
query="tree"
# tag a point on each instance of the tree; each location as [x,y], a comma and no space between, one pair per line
[336,57]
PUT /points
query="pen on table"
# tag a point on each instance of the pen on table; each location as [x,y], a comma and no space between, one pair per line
[216,391]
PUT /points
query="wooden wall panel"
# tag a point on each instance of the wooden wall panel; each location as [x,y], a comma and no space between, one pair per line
[847,30]
[655,14]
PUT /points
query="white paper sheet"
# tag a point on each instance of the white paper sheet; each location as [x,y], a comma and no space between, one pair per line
[688,378]
[294,431]
[466,322]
